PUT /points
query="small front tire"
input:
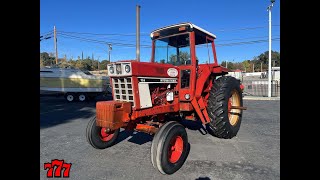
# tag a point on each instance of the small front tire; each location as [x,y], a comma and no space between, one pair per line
[172,148]
[97,136]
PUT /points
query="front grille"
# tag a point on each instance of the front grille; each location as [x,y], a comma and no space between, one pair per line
[122,89]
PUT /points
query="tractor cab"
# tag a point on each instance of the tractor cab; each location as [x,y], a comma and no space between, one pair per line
[176,44]
[192,49]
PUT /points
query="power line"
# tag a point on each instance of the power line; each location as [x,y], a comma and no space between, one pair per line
[147,34]
[49,32]
[99,41]
[109,39]
[241,29]
[147,46]
[126,44]
[247,42]
[98,34]
[46,36]
[244,38]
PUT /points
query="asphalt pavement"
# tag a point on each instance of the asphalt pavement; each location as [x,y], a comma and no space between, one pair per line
[253,154]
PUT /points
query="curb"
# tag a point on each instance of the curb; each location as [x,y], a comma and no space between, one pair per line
[261,98]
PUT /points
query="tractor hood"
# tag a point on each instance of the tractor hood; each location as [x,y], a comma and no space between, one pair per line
[142,69]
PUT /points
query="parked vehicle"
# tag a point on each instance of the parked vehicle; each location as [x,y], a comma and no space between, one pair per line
[74,84]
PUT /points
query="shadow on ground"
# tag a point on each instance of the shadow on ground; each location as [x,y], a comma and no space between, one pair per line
[194,125]
[203,178]
[135,137]
[142,138]
[55,110]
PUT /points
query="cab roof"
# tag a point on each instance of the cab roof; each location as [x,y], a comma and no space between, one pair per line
[191,27]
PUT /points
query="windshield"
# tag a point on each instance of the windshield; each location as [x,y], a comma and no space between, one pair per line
[173,50]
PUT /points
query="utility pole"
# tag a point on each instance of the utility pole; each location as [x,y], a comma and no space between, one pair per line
[261,66]
[92,61]
[82,56]
[269,71]
[226,64]
[98,64]
[138,33]
[40,60]
[110,48]
[253,67]
[55,43]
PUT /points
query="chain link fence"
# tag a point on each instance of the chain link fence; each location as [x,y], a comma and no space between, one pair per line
[260,88]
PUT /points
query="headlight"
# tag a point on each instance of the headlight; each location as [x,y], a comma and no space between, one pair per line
[127,68]
[111,69]
[187,96]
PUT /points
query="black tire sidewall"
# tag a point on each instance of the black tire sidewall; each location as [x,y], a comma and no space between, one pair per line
[155,141]
[164,143]
[225,85]
[94,139]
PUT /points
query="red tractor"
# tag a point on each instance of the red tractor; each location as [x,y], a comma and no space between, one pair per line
[153,97]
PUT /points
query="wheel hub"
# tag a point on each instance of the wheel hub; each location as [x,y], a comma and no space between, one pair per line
[233,114]
[82,97]
[175,149]
[104,135]
[70,97]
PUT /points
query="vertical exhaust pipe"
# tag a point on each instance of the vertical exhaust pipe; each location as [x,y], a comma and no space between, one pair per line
[138,33]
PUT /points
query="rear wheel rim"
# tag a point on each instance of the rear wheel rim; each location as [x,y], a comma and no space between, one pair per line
[233,114]
[104,136]
[70,97]
[82,97]
[175,149]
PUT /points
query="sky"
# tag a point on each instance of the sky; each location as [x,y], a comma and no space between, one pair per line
[241,27]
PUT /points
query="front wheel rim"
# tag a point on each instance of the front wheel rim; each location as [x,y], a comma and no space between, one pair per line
[104,136]
[175,149]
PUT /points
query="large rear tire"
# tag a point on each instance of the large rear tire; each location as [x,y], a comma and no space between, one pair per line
[169,149]
[97,136]
[225,121]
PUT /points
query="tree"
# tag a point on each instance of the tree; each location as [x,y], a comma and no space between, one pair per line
[246,65]
[79,64]
[103,64]
[183,57]
[264,57]
[72,63]
[231,65]
[46,59]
